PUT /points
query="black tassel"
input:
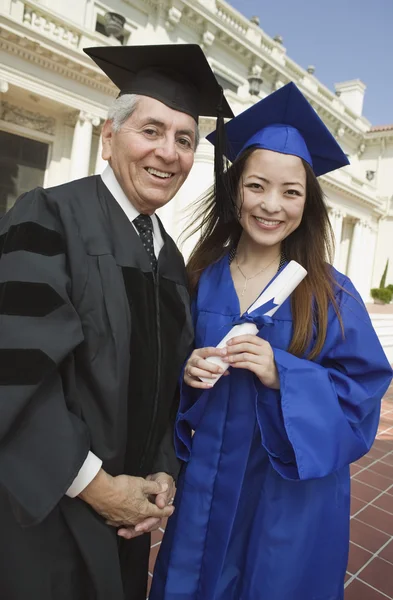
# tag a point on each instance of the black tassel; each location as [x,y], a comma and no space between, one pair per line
[225,197]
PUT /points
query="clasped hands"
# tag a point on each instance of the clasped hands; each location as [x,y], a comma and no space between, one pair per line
[133,504]
[242,352]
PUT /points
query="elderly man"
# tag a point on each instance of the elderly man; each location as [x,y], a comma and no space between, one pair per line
[95,326]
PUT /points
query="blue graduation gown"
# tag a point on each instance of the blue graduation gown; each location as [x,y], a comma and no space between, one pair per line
[262,508]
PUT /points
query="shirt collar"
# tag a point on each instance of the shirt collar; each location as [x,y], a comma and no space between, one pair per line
[109,179]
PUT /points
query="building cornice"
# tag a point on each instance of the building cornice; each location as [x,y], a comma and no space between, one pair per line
[378,136]
[349,190]
[50,59]
[10,113]
[216,23]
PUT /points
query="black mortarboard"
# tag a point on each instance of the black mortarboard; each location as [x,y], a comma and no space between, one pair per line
[178,75]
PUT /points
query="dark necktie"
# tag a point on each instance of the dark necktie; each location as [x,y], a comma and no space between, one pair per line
[144,225]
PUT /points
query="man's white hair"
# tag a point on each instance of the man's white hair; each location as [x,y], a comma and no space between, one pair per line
[123,107]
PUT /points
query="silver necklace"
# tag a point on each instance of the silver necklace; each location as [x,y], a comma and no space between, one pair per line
[247,279]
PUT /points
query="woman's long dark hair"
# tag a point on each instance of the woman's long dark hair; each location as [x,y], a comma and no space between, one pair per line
[311,245]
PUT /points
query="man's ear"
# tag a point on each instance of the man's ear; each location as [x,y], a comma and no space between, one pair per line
[107,135]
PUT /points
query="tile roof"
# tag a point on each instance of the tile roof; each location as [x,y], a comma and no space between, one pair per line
[382,128]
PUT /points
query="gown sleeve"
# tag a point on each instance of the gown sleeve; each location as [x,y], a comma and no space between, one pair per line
[189,403]
[326,413]
[166,460]
[42,443]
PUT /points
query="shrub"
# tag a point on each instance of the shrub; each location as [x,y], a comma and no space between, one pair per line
[383,294]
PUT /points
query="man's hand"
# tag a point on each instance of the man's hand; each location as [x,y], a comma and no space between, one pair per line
[124,500]
[161,500]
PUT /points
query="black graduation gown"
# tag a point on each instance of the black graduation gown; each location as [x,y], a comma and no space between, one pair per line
[91,347]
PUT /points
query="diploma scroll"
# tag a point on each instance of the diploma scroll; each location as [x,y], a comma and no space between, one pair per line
[271,298]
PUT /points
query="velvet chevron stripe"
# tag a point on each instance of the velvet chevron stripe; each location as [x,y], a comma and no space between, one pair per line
[28,299]
[23,367]
[32,237]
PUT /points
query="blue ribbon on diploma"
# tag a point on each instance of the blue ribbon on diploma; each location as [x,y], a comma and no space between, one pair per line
[258,320]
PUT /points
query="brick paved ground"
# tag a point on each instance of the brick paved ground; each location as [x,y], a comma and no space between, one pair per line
[370,565]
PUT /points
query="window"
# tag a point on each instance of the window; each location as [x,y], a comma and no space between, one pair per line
[22,167]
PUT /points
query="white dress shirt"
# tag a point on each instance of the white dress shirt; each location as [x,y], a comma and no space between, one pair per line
[108,177]
[93,464]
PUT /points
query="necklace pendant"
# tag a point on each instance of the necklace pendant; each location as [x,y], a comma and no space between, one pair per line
[244,288]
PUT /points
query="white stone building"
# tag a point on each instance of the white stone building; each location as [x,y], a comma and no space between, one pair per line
[53,101]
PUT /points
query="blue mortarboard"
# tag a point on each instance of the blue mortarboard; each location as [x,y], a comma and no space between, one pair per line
[285,122]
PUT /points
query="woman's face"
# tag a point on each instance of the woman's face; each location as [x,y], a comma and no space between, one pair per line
[272,194]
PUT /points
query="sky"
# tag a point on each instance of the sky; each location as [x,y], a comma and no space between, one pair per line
[343,39]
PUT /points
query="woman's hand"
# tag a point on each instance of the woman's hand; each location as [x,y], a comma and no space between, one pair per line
[165,498]
[252,353]
[197,366]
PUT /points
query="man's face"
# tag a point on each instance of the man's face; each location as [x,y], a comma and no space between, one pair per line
[152,154]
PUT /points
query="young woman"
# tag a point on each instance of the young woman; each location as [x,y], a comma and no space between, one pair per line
[262,508]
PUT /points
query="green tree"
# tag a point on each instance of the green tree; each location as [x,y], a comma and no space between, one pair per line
[383,278]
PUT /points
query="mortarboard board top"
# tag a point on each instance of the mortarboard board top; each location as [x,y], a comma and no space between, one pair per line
[285,122]
[178,75]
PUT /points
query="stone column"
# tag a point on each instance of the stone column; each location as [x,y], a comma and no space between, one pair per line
[370,245]
[198,183]
[81,144]
[336,219]
[357,256]
[178,213]
[3,90]
[168,215]
[3,86]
